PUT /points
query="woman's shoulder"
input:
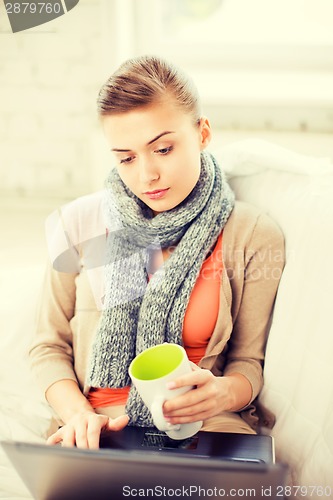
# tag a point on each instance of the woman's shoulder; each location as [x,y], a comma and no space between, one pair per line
[83,216]
[248,223]
[244,211]
[88,205]
[75,222]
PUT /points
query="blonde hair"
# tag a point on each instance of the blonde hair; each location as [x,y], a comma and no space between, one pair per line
[147,80]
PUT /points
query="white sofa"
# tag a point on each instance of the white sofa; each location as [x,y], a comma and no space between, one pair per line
[297,191]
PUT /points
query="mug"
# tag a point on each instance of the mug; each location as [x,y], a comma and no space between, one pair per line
[150,371]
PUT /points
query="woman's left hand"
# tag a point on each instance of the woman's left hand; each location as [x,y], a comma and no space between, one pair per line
[210,396]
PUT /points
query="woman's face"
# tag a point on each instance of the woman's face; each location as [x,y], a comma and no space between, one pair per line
[157,150]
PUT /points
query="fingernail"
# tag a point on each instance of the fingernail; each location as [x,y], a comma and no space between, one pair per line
[170,385]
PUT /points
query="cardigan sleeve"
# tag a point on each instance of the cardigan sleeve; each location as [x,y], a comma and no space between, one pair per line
[51,352]
[261,271]
[63,302]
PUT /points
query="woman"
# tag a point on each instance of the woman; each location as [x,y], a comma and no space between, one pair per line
[163,254]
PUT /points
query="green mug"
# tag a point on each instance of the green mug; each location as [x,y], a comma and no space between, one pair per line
[150,371]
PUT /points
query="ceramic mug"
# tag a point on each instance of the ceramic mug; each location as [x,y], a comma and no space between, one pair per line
[150,371]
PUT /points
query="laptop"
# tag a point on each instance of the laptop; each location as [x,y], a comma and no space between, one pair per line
[144,462]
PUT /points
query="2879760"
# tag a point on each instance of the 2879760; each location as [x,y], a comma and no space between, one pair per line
[304,491]
[33,7]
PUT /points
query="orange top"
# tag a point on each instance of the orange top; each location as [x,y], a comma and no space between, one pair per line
[199,322]
[203,307]
[108,396]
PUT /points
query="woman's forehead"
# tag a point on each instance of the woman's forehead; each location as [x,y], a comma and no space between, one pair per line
[144,126]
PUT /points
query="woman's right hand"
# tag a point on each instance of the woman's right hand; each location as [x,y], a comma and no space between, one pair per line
[84,429]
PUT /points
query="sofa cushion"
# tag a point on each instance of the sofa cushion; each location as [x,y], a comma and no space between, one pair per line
[296,191]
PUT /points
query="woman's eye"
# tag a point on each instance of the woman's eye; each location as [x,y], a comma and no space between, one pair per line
[127,160]
[164,151]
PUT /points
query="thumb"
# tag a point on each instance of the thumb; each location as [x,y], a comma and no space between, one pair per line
[116,424]
[194,366]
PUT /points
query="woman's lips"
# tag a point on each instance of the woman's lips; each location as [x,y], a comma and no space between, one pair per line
[156,194]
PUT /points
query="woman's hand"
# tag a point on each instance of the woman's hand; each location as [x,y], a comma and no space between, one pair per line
[211,396]
[84,429]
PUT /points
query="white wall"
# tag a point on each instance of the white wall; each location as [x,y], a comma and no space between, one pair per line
[50,141]
[49,78]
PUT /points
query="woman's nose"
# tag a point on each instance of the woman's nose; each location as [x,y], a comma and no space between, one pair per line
[148,171]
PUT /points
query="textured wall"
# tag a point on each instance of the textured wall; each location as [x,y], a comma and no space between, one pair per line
[49,79]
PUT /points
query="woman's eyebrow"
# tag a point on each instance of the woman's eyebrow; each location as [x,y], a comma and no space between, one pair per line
[159,136]
[166,132]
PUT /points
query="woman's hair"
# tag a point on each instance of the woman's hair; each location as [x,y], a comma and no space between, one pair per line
[147,80]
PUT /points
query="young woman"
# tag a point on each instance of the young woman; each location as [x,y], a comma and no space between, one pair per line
[163,254]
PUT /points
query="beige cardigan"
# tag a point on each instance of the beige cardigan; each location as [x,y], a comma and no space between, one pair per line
[71,302]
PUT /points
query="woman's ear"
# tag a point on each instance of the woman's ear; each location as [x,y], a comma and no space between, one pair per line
[205,132]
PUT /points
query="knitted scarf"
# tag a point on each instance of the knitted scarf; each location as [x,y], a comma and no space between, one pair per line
[138,312]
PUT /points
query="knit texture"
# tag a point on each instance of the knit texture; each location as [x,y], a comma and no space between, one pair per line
[139,313]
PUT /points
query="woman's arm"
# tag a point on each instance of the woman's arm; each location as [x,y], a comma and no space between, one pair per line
[82,425]
[258,280]
[51,351]
[211,396]
[67,400]
[52,359]
[241,378]
[240,391]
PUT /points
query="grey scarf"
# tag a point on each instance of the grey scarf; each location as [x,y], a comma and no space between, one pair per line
[139,313]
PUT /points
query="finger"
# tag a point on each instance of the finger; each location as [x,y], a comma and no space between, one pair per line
[202,398]
[192,397]
[187,404]
[94,431]
[189,410]
[116,424]
[196,377]
[54,438]
[68,438]
[80,434]
[187,419]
